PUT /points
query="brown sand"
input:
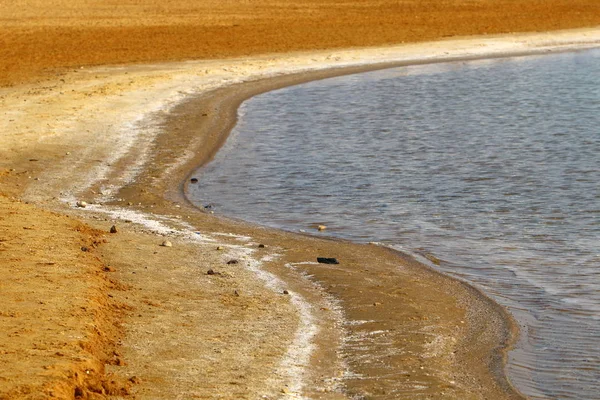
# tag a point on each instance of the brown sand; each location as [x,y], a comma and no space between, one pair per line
[89,314]
[39,36]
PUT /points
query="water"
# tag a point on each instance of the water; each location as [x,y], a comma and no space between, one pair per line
[491,166]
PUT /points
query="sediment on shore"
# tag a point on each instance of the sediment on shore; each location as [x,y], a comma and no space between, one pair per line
[266,321]
[450,330]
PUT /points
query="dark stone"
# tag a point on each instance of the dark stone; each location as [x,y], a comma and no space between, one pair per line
[194,180]
[83,248]
[327,260]
[261,246]
[286,292]
[208,207]
[210,272]
[232,262]
[113,229]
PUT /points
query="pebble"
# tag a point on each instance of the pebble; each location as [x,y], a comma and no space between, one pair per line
[210,272]
[166,243]
[230,262]
[327,260]
[322,227]
[286,292]
[194,180]
[81,204]
[261,246]
[113,229]
[219,247]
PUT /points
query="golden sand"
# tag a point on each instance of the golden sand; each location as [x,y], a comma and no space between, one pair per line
[39,36]
[90,314]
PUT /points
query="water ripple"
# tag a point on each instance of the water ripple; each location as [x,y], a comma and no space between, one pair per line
[491,167]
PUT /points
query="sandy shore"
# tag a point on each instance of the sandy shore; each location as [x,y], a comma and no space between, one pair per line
[39,37]
[93,314]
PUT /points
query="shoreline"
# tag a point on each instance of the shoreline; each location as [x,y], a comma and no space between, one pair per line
[152,159]
[235,98]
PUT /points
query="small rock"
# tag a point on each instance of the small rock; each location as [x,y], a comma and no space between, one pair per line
[68,153]
[113,229]
[376,304]
[108,268]
[135,380]
[219,247]
[286,292]
[118,361]
[129,203]
[261,246]
[83,248]
[166,243]
[327,260]
[208,206]
[322,227]
[235,292]
[194,180]
[210,272]
[81,204]
[231,262]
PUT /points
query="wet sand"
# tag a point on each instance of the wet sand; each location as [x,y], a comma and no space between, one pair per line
[150,320]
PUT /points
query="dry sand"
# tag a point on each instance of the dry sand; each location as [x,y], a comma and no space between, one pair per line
[39,36]
[90,314]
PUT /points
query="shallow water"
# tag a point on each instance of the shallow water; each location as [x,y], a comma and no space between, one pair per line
[489,168]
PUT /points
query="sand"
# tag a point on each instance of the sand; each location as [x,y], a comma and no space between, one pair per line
[39,36]
[91,314]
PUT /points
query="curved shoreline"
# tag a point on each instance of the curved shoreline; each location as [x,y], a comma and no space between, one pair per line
[228,100]
[235,97]
[386,280]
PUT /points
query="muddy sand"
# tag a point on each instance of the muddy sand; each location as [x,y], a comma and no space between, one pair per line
[180,303]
